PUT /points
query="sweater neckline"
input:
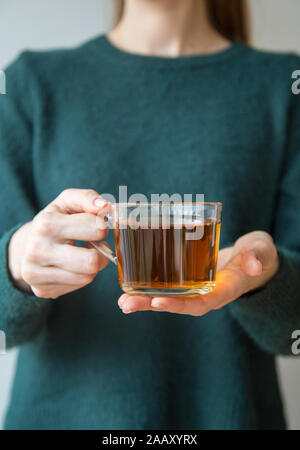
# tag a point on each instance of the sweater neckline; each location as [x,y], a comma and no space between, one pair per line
[123,56]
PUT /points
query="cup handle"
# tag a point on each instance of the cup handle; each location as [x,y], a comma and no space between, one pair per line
[105,251]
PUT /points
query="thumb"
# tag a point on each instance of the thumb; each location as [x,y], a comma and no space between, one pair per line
[250,263]
[257,256]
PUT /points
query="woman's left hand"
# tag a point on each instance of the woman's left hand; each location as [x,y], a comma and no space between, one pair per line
[250,263]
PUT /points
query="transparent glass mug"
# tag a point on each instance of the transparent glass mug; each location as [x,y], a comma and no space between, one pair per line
[166,249]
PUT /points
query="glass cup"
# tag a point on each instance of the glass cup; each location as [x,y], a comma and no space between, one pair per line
[165,249]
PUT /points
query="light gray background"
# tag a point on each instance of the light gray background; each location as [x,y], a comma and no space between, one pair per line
[43,24]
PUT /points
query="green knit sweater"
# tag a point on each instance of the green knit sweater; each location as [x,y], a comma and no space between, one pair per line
[226,125]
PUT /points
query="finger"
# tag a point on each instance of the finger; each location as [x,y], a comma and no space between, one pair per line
[76,259]
[54,291]
[79,200]
[81,227]
[132,303]
[193,306]
[41,276]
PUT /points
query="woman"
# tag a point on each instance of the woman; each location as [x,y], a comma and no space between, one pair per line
[169,101]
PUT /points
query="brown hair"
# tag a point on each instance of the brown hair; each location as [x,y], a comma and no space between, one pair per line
[229,17]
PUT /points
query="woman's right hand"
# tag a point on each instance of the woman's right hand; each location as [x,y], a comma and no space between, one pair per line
[42,257]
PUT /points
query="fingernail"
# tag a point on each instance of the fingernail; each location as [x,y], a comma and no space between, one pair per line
[100,202]
[157,303]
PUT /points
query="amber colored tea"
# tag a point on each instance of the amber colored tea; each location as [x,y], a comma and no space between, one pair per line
[150,259]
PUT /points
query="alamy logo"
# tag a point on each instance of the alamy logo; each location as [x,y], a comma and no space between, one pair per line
[2,343]
[296,344]
[2,82]
[296,84]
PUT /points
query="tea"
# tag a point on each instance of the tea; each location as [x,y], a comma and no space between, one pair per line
[154,259]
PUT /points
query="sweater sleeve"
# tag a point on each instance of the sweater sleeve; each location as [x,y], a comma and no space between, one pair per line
[21,314]
[271,314]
